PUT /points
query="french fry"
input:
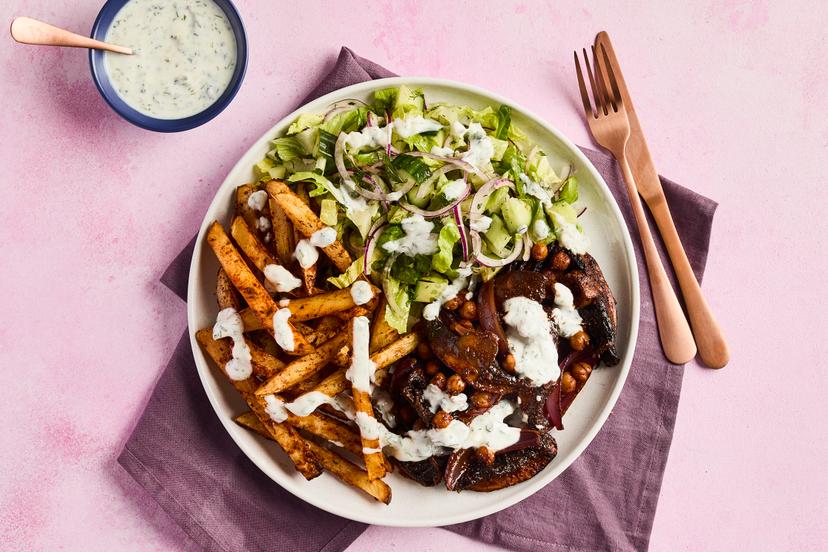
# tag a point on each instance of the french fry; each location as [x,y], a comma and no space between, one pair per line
[305,366]
[351,474]
[250,244]
[308,274]
[317,424]
[325,330]
[283,240]
[286,436]
[390,354]
[306,222]
[382,333]
[243,210]
[250,288]
[226,294]
[360,338]
[311,382]
[264,364]
[251,320]
[323,304]
[336,383]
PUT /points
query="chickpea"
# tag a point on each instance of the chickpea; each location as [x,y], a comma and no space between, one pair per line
[560,261]
[568,383]
[471,375]
[469,310]
[439,380]
[509,363]
[453,303]
[579,341]
[424,350]
[431,368]
[441,420]
[581,371]
[455,385]
[540,251]
[485,454]
[481,400]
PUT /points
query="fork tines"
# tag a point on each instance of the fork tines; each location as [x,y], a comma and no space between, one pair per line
[603,99]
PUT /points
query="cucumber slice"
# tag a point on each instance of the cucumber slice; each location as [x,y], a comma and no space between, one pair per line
[497,236]
[517,214]
[429,288]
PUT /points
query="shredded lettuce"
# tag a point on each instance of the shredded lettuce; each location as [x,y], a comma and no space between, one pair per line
[449,235]
[305,121]
[346,121]
[504,121]
[399,305]
[569,190]
[287,148]
[350,275]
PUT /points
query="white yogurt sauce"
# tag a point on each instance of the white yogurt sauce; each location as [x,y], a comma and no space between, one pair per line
[569,236]
[368,138]
[257,200]
[362,367]
[410,126]
[565,315]
[418,239]
[361,292]
[530,340]
[442,151]
[275,408]
[323,237]
[454,188]
[432,310]
[184,56]
[282,332]
[488,429]
[481,148]
[229,324]
[306,254]
[281,278]
[481,224]
[438,399]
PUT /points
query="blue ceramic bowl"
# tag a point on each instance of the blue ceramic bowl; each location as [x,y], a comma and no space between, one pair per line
[101,78]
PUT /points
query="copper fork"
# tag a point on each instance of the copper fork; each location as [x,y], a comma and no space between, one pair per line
[610,127]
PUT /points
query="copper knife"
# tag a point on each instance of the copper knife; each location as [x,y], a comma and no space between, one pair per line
[710,340]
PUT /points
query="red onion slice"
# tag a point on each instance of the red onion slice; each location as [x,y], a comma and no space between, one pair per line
[464,238]
[370,242]
[437,212]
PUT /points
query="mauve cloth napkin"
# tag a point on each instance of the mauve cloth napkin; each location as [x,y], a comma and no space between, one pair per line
[606,500]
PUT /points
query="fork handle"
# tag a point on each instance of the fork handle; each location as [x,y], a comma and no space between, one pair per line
[673,329]
[710,339]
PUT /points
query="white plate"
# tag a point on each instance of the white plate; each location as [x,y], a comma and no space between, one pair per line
[413,505]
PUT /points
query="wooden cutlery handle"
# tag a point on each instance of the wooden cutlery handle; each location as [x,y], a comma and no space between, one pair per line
[31,31]
[676,337]
[710,339]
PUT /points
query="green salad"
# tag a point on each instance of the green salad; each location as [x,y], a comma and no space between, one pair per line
[428,197]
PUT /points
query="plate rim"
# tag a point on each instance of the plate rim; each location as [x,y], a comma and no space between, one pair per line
[317,500]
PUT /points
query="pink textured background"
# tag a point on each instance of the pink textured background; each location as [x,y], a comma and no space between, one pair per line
[93,209]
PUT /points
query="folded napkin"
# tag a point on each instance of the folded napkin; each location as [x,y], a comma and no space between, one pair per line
[182,456]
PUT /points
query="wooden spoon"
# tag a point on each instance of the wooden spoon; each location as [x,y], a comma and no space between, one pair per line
[31,31]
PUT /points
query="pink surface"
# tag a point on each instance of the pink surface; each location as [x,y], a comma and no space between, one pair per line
[93,209]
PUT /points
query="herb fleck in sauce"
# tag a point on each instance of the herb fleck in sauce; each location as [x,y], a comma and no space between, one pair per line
[185,55]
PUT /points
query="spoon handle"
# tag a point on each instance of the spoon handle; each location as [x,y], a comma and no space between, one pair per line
[31,31]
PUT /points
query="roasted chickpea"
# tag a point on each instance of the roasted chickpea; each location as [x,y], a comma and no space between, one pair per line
[509,363]
[540,251]
[455,385]
[481,400]
[579,341]
[581,371]
[560,261]
[441,420]
[568,383]
[486,454]
[431,368]
[424,350]
[439,380]
[469,310]
[453,303]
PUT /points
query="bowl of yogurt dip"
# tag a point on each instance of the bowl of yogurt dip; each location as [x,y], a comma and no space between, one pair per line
[189,61]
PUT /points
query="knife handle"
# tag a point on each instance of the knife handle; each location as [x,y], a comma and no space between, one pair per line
[673,330]
[710,339]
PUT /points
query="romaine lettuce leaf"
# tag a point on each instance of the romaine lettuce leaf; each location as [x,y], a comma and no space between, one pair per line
[305,121]
[350,275]
[449,235]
